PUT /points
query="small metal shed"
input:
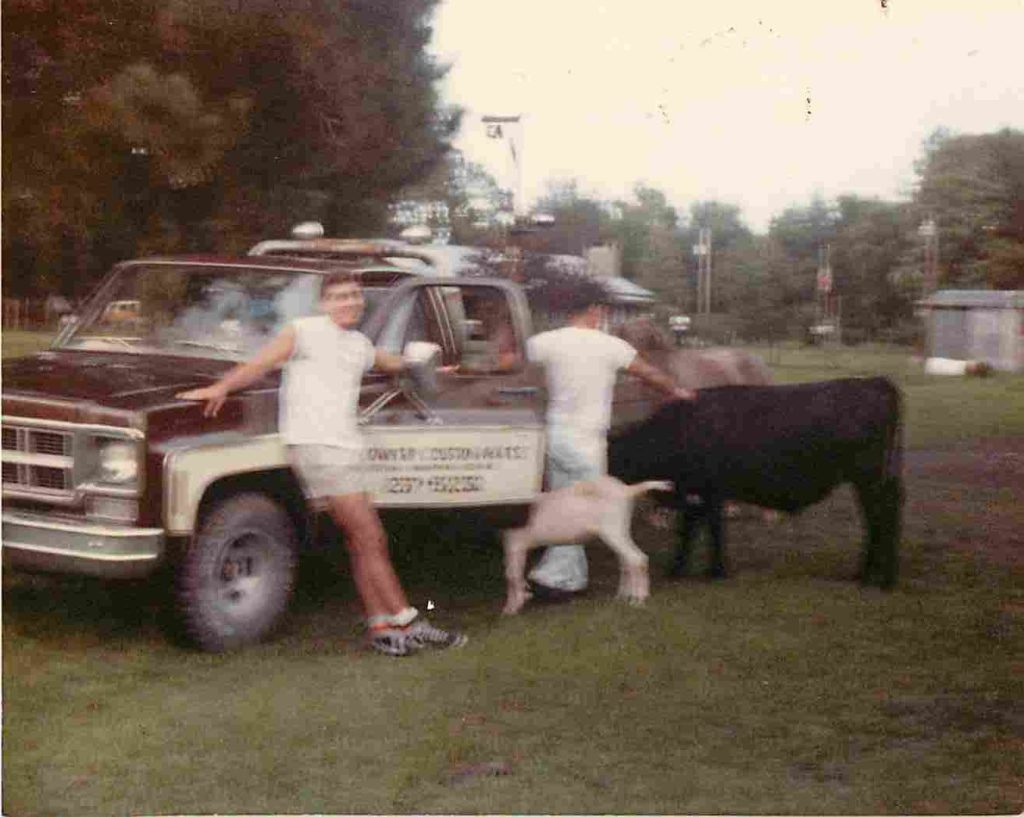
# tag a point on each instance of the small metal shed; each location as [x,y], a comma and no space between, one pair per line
[976,324]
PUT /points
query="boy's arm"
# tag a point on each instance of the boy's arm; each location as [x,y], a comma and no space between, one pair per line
[646,372]
[388,362]
[395,364]
[273,354]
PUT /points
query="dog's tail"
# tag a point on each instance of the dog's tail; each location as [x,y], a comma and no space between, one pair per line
[650,485]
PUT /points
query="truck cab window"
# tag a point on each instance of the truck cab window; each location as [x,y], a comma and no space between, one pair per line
[490,338]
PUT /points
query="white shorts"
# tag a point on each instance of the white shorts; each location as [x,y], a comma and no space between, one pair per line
[328,470]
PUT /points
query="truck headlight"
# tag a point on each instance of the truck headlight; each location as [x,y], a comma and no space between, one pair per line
[118,463]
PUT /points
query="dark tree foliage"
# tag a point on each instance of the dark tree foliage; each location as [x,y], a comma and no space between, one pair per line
[871,237]
[973,188]
[647,232]
[581,220]
[136,126]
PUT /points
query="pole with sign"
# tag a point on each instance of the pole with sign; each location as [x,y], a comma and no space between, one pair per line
[510,130]
[702,251]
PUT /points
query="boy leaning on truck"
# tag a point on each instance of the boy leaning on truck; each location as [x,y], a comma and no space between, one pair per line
[324,359]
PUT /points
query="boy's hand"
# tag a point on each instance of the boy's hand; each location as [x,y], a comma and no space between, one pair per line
[684,394]
[214,396]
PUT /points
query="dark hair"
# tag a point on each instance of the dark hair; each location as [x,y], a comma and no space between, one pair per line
[583,293]
[333,279]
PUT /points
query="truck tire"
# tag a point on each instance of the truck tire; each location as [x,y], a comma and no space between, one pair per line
[236,576]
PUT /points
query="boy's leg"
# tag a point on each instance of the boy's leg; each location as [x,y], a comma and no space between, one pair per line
[366,540]
[396,628]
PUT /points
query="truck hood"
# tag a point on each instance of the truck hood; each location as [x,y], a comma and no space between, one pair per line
[126,381]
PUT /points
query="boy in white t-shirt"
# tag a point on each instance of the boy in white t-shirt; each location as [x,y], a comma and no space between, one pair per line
[581,363]
[324,360]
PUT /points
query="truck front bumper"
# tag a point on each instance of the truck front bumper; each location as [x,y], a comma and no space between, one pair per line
[33,541]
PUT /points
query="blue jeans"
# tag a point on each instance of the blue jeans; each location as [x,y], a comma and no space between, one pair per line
[572,456]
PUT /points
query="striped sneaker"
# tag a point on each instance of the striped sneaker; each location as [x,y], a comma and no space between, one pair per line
[393,641]
[424,634]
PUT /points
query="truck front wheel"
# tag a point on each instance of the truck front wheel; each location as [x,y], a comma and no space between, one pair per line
[236,576]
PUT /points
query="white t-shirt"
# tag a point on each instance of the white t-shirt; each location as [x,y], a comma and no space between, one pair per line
[580,367]
[319,394]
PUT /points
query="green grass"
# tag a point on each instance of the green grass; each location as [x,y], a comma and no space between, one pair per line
[784,689]
[21,342]
[937,409]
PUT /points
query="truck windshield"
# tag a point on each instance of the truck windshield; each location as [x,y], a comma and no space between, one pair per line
[196,310]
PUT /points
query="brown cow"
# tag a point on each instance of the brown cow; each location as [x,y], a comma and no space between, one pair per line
[695,368]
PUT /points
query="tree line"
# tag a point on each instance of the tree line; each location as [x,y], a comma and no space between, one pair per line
[969,187]
[144,126]
[134,127]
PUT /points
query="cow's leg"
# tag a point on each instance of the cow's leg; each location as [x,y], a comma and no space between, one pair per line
[868,499]
[890,532]
[688,521]
[881,506]
[715,512]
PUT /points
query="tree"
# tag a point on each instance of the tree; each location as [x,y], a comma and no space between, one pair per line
[871,237]
[581,220]
[973,187]
[59,181]
[203,124]
[651,243]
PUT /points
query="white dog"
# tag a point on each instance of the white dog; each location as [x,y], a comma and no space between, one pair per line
[601,507]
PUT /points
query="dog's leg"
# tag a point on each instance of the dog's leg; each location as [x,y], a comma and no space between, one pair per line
[516,544]
[634,581]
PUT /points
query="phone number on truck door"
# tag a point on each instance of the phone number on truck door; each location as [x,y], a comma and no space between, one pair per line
[447,484]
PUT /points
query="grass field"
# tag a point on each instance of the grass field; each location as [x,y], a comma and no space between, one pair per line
[20,342]
[784,689]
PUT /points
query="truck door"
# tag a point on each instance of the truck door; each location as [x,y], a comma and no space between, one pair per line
[479,439]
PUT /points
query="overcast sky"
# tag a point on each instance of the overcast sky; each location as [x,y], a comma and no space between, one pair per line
[710,99]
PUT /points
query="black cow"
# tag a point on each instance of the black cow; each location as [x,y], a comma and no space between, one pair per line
[783,447]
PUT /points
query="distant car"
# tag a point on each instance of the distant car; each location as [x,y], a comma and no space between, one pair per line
[820,332]
[680,326]
[122,312]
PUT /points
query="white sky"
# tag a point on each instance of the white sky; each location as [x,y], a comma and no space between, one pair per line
[708,99]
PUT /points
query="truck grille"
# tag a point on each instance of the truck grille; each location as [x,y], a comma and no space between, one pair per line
[38,461]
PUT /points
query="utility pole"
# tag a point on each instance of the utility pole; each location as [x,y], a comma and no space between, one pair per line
[929,231]
[510,130]
[702,250]
[827,312]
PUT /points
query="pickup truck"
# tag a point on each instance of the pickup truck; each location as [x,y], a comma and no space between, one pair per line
[107,473]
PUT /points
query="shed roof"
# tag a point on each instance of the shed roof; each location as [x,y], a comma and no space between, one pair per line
[978,298]
[623,290]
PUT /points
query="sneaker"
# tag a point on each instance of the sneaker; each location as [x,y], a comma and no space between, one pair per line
[424,634]
[392,641]
[553,595]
